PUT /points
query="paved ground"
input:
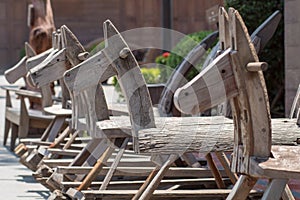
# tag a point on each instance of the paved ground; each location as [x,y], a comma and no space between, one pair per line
[16,181]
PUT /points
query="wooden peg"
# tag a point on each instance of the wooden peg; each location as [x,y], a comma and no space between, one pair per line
[83,56]
[124,52]
[257,66]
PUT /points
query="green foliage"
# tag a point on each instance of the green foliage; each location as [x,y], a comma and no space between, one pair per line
[180,51]
[151,76]
[184,47]
[96,48]
[22,53]
[254,13]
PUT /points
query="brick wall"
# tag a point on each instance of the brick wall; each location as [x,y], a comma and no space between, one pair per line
[292,51]
[85,19]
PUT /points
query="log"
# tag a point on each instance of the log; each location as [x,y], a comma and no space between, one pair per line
[207,134]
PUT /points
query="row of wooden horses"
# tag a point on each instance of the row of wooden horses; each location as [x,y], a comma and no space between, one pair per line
[91,149]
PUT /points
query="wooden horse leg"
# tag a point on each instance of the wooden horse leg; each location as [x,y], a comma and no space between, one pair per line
[275,189]
[242,188]
[147,194]
[71,140]
[14,135]
[226,165]
[57,125]
[7,126]
[114,165]
[96,169]
[215,171]
[190,159]
[61,137]
[146,183]
[47,130]
[287,194]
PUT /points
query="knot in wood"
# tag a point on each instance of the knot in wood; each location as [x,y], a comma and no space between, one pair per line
[124,52]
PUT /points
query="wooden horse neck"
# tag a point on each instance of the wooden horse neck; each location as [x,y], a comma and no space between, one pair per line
[251,107]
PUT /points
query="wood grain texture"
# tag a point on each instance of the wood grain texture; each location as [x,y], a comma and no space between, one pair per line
[282,166]
[205,134]
[211,87]
[253,102]
[275,189]
[51,69]
[17,71]
[295,110]
[159,194]
[242,188]
[141,171]
[37,59]
[178,77]
[131,81]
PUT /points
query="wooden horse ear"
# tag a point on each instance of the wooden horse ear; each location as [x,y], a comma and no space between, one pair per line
[109,30]
[115,45]
[74,48]
[112,36]
[224,29]
[29,50]
[30,15]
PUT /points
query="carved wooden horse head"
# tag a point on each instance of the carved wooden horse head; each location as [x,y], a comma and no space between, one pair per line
[259,37]
[110,59]
[41,24]
[19,70]
[237,75]
[66,53]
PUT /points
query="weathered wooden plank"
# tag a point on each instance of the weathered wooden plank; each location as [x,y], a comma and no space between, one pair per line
[134,184]
[296,105]
[282,165]
[142,171]
[37,59]
[58,110]
[275,189]
[96,169]
[76,80]
[65,152]
[114,165]
[209,88]
[131,81]
[54,66]
[154,182]
[242,188]
[17,71]
[51,69]
[128,194]
[253,99]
